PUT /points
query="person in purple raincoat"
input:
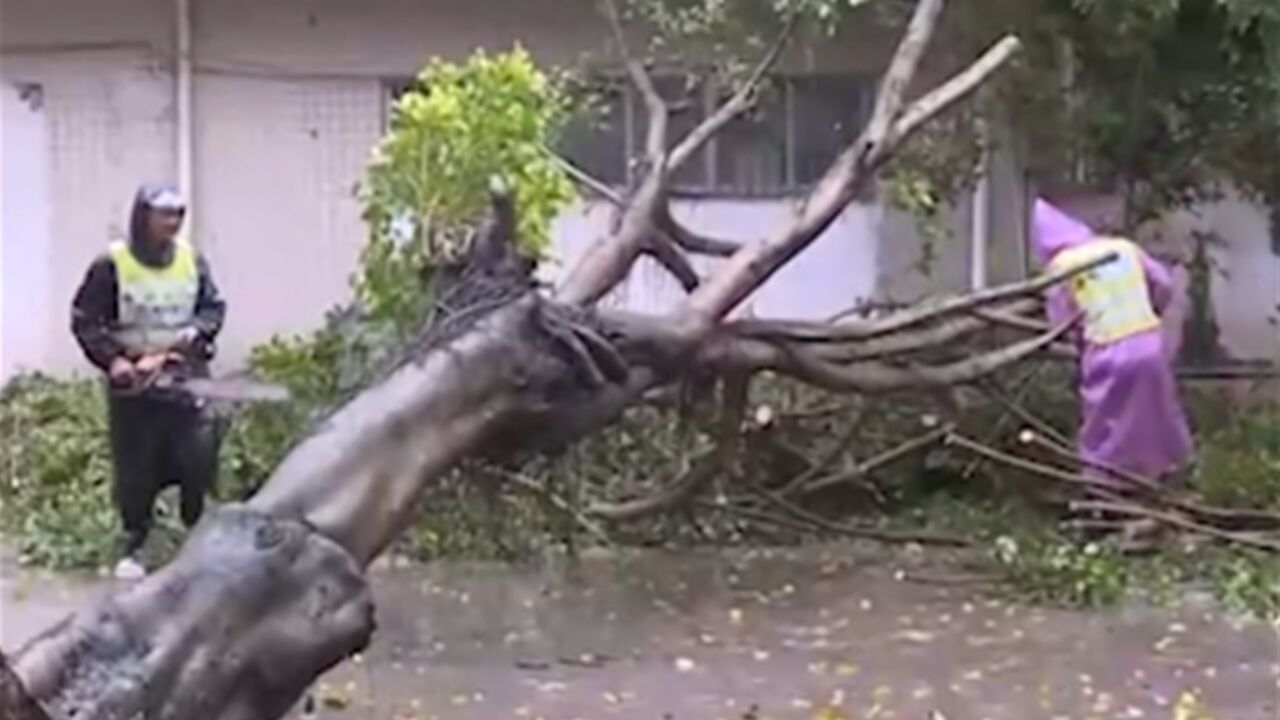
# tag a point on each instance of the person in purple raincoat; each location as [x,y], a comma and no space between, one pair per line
[1131,416]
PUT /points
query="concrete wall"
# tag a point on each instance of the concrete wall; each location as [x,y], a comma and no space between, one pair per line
[1246,286]
[25,261]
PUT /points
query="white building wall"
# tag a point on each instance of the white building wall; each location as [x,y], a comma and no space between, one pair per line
[107,123]
[277,162]
[25,261]
[103,69]
[1246,281]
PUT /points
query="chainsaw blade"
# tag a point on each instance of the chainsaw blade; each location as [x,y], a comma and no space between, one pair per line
[236,390]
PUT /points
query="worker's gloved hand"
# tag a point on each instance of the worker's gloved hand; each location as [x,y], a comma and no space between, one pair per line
[122,371]
[187,339]
[151,364]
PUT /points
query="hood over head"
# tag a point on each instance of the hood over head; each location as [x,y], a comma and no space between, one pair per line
[1054,231]
[151,196]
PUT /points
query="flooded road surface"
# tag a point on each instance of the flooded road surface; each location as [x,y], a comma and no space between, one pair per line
[741,636]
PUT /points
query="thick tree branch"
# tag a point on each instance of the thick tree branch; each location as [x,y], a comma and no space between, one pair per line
[690,240]
[659,113]
[666,225]
[902,70]
[859,329]
[804,363]
[851,172]
[740,102]
[955,89]
[607,262]
[669,256]
[946,332]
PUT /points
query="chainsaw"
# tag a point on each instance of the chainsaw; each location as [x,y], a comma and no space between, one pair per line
[232,389]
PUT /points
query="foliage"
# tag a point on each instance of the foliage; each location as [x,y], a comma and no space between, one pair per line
[1168,97]
[55,472]
[459,127]
[1051,569]
[1239,463]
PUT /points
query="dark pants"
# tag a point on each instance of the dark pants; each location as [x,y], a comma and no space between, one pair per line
[157,442]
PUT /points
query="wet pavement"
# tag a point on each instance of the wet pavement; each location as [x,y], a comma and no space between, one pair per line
[815,634]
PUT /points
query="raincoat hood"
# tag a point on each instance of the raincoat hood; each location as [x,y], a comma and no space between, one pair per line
[150,197]
[1055,231]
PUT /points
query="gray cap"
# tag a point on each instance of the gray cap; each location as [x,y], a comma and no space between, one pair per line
[164,198]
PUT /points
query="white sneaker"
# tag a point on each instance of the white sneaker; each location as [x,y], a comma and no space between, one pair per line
[130,569]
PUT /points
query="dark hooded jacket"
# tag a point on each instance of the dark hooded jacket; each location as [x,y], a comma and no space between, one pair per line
[94,312]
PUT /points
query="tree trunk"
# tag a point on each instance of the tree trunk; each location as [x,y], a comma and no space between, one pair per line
[235,628]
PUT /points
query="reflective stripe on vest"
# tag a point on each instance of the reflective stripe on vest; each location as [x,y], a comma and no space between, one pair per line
[155,303]
[1113,296]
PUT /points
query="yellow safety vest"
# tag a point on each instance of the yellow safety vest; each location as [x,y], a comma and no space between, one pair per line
[155,303]
[1113,296]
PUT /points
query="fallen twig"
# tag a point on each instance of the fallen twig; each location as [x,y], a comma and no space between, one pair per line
[841,444]
[1024,384]
[863,469]
[1031,466]
[1029,437]
[805,516]
[881,535]
[1015,406]
[1175,520]
[930,579]
[559,502]
[1161,494]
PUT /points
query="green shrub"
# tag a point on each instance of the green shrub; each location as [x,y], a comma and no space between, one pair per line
[1239,462]
[55,472]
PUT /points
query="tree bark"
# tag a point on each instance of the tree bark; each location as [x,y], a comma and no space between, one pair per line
[235,628]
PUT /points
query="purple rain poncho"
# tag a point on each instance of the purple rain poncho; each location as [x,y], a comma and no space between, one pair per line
[1131,416]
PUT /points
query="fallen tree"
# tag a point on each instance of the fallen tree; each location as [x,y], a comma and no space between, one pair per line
[266,596]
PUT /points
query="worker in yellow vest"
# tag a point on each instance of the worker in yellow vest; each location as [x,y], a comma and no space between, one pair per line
[147,306]
[1132,419]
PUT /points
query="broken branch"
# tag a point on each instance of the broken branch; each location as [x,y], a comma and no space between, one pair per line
[955,89]
[856,166]
[656,139]
[688,239]
[1175,520]
[740,102]
[902,70]
[916,315]
[892,455]
[669,256]
[871,377]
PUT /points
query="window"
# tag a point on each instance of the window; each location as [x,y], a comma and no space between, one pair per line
[785,144]
[781,147]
